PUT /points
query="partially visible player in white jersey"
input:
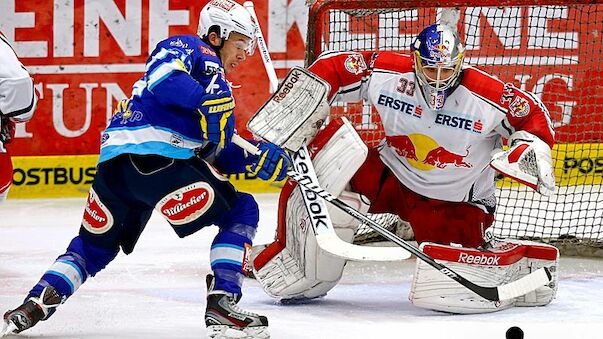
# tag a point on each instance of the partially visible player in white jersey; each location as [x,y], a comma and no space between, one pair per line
[444,127]
[17,104]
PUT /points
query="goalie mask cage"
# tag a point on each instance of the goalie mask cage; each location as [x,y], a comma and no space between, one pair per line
[551,48]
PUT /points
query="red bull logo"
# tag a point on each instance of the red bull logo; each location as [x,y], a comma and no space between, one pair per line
[519,107]
[355,64]
[441,157]
[424,153]
[439,51]
[403,146]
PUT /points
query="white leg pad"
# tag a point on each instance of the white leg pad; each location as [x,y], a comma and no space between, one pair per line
[503,263]
[294,266]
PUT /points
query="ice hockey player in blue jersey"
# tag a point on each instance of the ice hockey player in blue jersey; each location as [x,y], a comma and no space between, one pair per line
[164,150]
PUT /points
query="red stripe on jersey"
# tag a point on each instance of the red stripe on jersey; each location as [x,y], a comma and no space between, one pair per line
[483,84]
[394,62]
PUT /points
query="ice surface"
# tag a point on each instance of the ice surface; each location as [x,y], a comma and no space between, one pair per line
[159,292]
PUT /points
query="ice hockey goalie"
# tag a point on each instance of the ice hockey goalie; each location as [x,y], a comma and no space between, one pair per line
[294,266]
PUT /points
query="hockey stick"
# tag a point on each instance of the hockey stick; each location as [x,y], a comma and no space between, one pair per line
[320,220]
[268,65]
[511,290]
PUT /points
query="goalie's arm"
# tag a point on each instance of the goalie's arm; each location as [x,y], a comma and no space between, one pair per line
[530,134]
[346,72]
[526,112]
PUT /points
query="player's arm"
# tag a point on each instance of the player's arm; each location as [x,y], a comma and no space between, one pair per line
[346,72]
[182,76]
[530,138]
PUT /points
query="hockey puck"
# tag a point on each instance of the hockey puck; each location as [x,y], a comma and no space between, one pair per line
[514,332]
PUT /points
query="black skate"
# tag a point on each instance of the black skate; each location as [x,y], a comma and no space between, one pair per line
[224,319]
[31,312]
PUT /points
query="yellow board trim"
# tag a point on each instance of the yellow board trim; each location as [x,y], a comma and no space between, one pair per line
[71,176]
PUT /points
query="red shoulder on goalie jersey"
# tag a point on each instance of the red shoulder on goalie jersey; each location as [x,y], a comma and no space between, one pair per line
[444,125]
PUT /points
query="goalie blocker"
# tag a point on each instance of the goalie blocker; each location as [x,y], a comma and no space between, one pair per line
[499,263]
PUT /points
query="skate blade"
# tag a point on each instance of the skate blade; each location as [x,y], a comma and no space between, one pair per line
[8,328]
[227,332]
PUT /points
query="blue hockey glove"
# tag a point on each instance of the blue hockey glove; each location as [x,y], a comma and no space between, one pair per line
[217,118]
[270,165]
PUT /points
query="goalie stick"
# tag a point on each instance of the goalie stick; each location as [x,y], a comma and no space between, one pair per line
[320,220]
[293,113]
[511,290]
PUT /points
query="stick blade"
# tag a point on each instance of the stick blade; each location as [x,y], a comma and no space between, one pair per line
[525,285]
[333,245]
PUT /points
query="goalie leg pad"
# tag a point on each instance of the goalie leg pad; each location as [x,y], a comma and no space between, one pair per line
[540,255]
[501,263]
[294,266]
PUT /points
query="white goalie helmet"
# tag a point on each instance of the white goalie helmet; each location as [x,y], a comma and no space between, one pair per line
[229,16]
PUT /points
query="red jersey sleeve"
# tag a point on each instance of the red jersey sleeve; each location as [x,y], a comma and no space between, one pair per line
[344,71]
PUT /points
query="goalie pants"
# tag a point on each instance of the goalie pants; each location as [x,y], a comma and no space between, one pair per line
[431,219]
[6,174]
[188,193]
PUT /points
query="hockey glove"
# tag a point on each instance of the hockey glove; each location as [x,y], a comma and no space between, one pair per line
[528,160]
[217,119]
[270,165]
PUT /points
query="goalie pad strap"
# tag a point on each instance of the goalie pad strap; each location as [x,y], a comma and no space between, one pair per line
[508,254]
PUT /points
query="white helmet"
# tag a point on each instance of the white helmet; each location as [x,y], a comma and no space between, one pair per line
[229,16]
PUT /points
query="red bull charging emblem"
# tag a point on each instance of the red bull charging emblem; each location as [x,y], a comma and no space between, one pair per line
[424,153]
[355,64]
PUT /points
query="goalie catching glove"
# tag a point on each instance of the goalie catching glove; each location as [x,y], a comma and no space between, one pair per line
[217,119]
[528,160]
[270,164]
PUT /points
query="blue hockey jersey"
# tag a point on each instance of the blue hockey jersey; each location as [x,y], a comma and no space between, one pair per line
[161,117]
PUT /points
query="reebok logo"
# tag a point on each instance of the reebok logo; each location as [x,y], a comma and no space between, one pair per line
[287,86]
[316,210]
[480,259]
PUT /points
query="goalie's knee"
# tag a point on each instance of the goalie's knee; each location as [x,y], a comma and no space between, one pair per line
[503,263]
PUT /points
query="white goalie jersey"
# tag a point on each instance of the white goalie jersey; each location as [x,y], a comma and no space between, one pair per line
[441,154]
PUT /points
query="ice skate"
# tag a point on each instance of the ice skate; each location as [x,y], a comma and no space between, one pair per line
[31,312]
[224,319]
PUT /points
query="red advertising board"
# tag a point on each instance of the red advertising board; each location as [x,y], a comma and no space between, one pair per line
[85,56]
